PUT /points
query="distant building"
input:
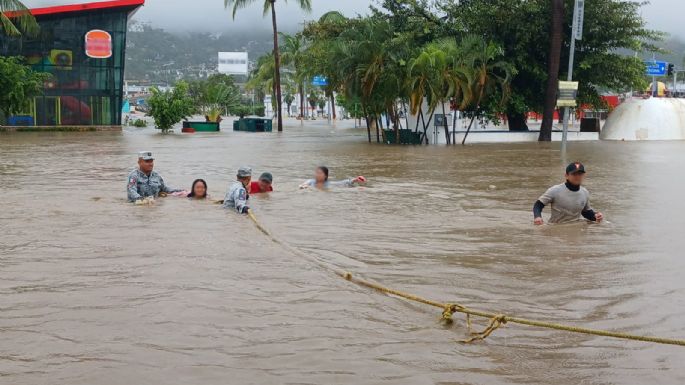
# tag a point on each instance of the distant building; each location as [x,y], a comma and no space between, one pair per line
[233,63]
[82,44]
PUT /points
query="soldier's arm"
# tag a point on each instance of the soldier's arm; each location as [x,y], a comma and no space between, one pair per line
[132,189]
[240,199]
[165,188]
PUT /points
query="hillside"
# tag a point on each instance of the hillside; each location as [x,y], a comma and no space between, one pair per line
[156,55]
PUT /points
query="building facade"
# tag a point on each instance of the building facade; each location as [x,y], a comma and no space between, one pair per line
[82,46]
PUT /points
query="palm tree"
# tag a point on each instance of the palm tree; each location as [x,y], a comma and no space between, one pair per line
[554,58]
[15,19]
[489,76]
[293,54]
[426,83]
[270,5]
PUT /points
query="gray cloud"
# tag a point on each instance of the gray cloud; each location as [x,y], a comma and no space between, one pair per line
[210,15]
[665,15]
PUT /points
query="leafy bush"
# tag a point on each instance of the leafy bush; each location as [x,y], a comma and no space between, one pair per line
[139,123]
[170,107]
[243,110]
[19,84]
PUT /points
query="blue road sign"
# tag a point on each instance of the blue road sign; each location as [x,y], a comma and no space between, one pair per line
[319,81]
[656,68]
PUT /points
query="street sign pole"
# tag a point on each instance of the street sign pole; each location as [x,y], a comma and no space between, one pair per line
[576,34]
[655,86]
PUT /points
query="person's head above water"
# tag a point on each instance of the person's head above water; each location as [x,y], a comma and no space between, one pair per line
[146,162]
[265,181]
[199,189]
[244,175]
[575,173]
[321,174]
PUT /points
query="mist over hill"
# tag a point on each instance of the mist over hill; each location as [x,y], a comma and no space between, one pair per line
[159,56]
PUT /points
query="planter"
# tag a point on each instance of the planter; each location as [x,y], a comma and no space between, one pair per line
[253,125]
[406,137]
[201,126]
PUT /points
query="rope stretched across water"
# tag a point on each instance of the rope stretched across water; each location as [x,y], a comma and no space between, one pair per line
[496,320]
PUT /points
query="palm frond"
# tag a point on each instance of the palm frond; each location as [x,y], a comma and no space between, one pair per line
[15,19]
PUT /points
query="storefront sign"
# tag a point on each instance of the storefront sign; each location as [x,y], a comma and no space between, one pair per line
[98,44]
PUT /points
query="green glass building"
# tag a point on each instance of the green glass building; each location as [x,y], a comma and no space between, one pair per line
[83,47]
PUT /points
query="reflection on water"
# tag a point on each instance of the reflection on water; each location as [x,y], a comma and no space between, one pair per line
[96,291]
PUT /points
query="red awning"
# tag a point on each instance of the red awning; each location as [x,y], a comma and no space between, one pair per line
[86,7]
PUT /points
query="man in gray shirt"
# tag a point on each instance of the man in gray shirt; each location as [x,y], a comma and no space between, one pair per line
[570,201]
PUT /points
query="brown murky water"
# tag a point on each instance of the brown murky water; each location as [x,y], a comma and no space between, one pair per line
[97,291]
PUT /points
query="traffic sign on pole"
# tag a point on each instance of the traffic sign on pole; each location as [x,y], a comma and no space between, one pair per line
[656,68]
[319,81]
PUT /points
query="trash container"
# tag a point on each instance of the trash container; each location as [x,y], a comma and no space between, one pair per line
[253,125]
[589,125]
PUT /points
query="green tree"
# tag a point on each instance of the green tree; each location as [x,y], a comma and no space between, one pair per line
[270,5]
[294,56]
[15,19]
[489,79]
[214,95]
[170,107]
[611,26]
[19,85]
[289,98]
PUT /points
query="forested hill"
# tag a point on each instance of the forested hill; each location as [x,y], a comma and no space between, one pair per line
[157,55]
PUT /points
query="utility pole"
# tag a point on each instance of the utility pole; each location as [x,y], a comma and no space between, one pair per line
[576,34]
[655,85]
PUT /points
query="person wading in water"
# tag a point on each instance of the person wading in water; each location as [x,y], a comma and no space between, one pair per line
[570,200]
[321,181]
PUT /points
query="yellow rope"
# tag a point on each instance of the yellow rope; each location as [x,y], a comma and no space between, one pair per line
[448,309]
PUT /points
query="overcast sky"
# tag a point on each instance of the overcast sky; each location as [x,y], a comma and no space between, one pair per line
[665,15]
[210,15]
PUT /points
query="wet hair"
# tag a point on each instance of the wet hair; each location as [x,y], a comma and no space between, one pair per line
[323,169]
[192,189]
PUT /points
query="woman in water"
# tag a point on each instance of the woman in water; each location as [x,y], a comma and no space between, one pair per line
[321,181]
[199,190]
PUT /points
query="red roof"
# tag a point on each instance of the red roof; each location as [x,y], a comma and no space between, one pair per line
[86,7]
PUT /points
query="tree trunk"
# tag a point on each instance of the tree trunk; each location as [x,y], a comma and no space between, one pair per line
[277,64]
[378,128]
[368,124]
[333,105]
[469,129]
[444,119]
[517,121]
[392,112]
[553,59]
[301,91]
[425,126]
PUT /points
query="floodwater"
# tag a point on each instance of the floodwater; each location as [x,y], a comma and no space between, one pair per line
[94,290]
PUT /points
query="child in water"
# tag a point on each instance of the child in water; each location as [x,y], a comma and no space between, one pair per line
[321,181]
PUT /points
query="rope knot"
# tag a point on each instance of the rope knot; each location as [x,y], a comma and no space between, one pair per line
[347,275]
[447,313]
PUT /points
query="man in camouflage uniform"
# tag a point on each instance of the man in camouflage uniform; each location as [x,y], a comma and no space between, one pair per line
[237,196]
[143,182]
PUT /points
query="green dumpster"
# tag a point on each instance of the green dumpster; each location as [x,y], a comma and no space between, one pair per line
[253,125]
[406,137]
[202,126]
